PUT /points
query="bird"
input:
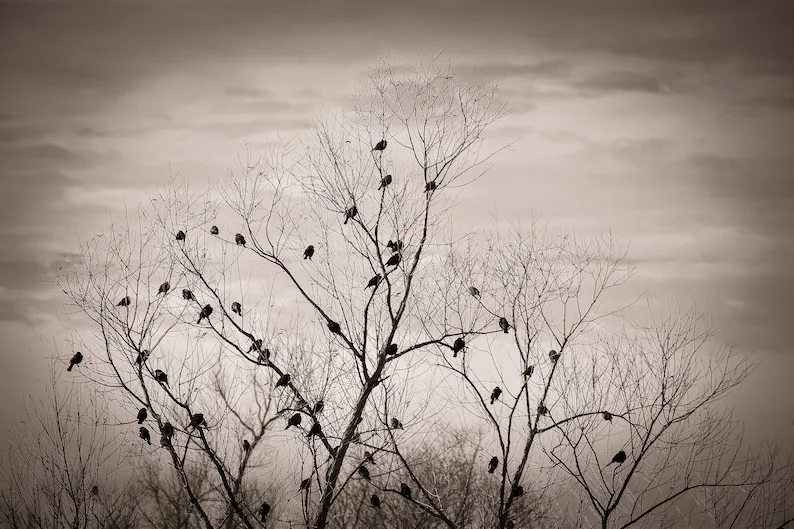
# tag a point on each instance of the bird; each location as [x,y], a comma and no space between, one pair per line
[495,394]
[405,491]
[168,430]
[554,356]
[394,260]
[430,186]
[214,230]
[381,145]
[187,294]
[315,430]
[474,291]
[607,416]
[141,415]
[197,419]
[264,356]
[504,325]
[160,377]
[619,458]
[396,424]
[256,345]
[264,510]
[94,490]
[391,349]
[144,434]
[364,472]
[284,380]
[142,357]
[375,501]
[164,288]
[308,252]
[305,484]
[180,235]
[458,346]
[528,371]
[492,464]
[318,407]
[375,281]
[368,458]
[350,213]
[237,308]
[165,442]
[125,302]
[334,327]
[76,359]
[239,239]
[542,409]
[246,445]
[518,491]
[205,313]
[386,180]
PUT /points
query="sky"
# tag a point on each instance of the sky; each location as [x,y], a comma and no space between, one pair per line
[667,122]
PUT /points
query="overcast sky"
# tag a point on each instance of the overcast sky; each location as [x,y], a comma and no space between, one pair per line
[668,122]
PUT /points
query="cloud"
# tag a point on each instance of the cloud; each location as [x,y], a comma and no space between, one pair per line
[622,81]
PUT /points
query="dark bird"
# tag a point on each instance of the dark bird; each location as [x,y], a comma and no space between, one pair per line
[256,345]
[141,415]
[394,260]
[396,424]
[237,308]
[160,377]
[125,302]
[518,491]
[334,327]
[314,430]
[619,458]
[187,294]
[528,371]
[492,464]
[542,409]
[391,349]
[142,357]
[368,458]
[284,380]
[380,146]
[94,490]
[364,472]
[375,281]
[239,239]
[497,391]
[168,430]
[308,252]
[165,442]
[386,180]
[76,359]
[180,235]
[246,445]
[607,416]
[458,346]
[405,490]
[144,433]
[205,313]
[504,325]
[318,407]
[264,356]
[214,230]
[554,356]
[474,291]
[164,288]
[305,484]
[350,213]
[375,501]
[430,186]
[394,246]
[264,510]
[197,420]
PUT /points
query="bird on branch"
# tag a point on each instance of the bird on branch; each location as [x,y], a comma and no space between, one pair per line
[305,484]
[237,308]
[364,472]
[187,294]
[618,458]
[405,490]
[385,181]
[492,464]
[350,213]
[160,377]
[214,230]
[504,325]
[607,416]
[375,501]
[394,260]
[396,424]
[430,186]
[239,239]
[334,327]
[458,346]
[205,313]
[391,349]
[316,429]
[368,457]
[144,434]
[474,291]
[76,359]
[197,419]
[381,145]
[284,380]
[125,302]
[554,356]
[168,430]
[180,235]
[497,391]
[308,252]
[264,510]
[318,407]
[164,288]
[141,415]
[528,371]
[375,281]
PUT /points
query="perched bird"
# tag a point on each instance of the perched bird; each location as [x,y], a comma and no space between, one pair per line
[168,430]
[474,291]
[144,433]
[334,327]
[205,313]
[187,294]
[368,458]
[197,419]
[375,501]
[364,472]
[246,445]
[375,281]
[528,371]
[504,325]
[394,260]
[318,407]
[180,235]
[386,180]
[264,356]
[284,380]
[76,359]
[256,345]
[430,186]
[607,416]
[164,288]
[518,491]
[619,458]
[160,377]
[314,430]
[125,302]
[165,442]
[237,308]
[308,252]
[458,346]
[497,391]
[214,230]
[305,484]
[391,349]
[396,424]
[94,490]
[554,356]
[542,409]
[239,239]
[350,213]
[381,145]
[405,490]
[141,415]
[264,510]
[492,464]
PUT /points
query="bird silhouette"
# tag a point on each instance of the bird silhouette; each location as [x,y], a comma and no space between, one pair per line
[308,252]
[160,377]
[314,430]
[246,445]
[284,380]
[94,490]
[504,325]
[187,294]
[518,491]
[144,434]
[334,327]
[237,308]
[381,145]
[474,291]
[607,416]
[394,260]
[396,424]
[205,313]
[364,472]
[197,419]
[214,230]
[264,510]
[165,442]
[264,356]
[375,501]
[385,181]
[142,357]
[391,349]
[528,371]
[368,457]
[405,490]
[168,430]
[554,356]
[180,235]
[350,213]
[125,302]
[375,281]
[542,409]
[239,239]
[430,186]
[305,484]
[495,394]
[318,407]
[256,345]
[458,346]
[619,458]
[164,288]
[492,464]
[141,415]
[76,359]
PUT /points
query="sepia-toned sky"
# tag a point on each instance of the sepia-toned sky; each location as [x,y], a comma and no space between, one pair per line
[670,122]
